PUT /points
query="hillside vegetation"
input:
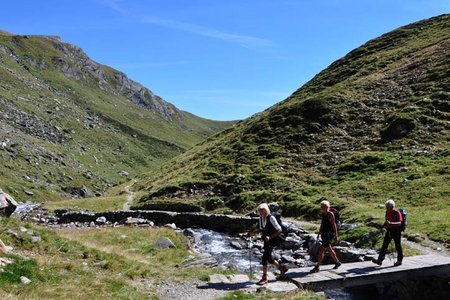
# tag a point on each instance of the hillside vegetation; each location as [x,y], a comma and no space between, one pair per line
[74,127]
[373,125]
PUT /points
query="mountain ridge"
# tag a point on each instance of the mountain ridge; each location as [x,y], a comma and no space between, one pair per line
[381,109]
[68,121]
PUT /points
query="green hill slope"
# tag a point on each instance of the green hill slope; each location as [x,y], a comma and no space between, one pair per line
[68,122]
[374,124]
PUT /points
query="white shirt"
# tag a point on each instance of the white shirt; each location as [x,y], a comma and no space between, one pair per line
[263,222]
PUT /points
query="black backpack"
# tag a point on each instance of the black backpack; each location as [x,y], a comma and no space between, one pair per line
[402,211]
[337,217]
[284,227]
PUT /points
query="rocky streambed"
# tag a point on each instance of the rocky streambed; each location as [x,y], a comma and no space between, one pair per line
[243,252]
[222,240]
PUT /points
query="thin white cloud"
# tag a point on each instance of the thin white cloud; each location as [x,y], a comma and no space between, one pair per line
[138,65]
[243,40]
[113,4]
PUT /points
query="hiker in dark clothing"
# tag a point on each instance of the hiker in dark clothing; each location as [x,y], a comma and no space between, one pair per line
[327,232]
[270,235]
[393,220]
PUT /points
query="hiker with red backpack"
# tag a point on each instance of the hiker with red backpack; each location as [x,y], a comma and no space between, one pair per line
[393,224]
[327,232]
[271,236]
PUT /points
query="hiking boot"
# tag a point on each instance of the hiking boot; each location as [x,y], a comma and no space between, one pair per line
[337,265]
[263,281]
[377,261]
[283,270]
[315,269]
[397,263]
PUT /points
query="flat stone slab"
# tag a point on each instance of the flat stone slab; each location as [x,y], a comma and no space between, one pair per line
[280,286]
[243,282]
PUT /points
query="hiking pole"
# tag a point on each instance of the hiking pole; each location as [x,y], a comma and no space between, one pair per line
[250,251]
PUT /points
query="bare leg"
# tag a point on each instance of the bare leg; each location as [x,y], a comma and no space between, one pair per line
[265,270]
[264,276]
[319,260]
[320,256]
[332,254]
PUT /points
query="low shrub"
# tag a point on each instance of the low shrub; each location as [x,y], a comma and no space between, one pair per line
[20,267]
[398,126]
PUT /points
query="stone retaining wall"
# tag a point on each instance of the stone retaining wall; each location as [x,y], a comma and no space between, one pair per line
[221,223]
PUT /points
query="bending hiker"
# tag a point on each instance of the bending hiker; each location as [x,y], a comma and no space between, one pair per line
[270,235]
[3,248]
[327,232]
[5,207]
[393,220]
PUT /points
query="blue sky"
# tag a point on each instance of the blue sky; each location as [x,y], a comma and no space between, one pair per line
[218,59]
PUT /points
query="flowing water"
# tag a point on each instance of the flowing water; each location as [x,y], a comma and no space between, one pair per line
[218,246]
[24,207]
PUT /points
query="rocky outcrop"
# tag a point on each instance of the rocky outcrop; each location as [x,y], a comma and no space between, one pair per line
[143,97]
[75,64]
[29,123]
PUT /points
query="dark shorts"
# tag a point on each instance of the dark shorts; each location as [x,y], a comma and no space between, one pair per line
[327,238]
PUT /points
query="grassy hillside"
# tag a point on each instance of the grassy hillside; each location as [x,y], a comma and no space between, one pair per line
[375,124]
[68,122]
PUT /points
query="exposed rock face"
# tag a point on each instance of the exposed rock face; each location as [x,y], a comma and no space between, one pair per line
[144,97]
[29,124]
[82,191]
[75,64]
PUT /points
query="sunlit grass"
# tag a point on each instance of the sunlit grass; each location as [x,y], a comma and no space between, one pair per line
[135,244]
[92,204]
[62,269]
